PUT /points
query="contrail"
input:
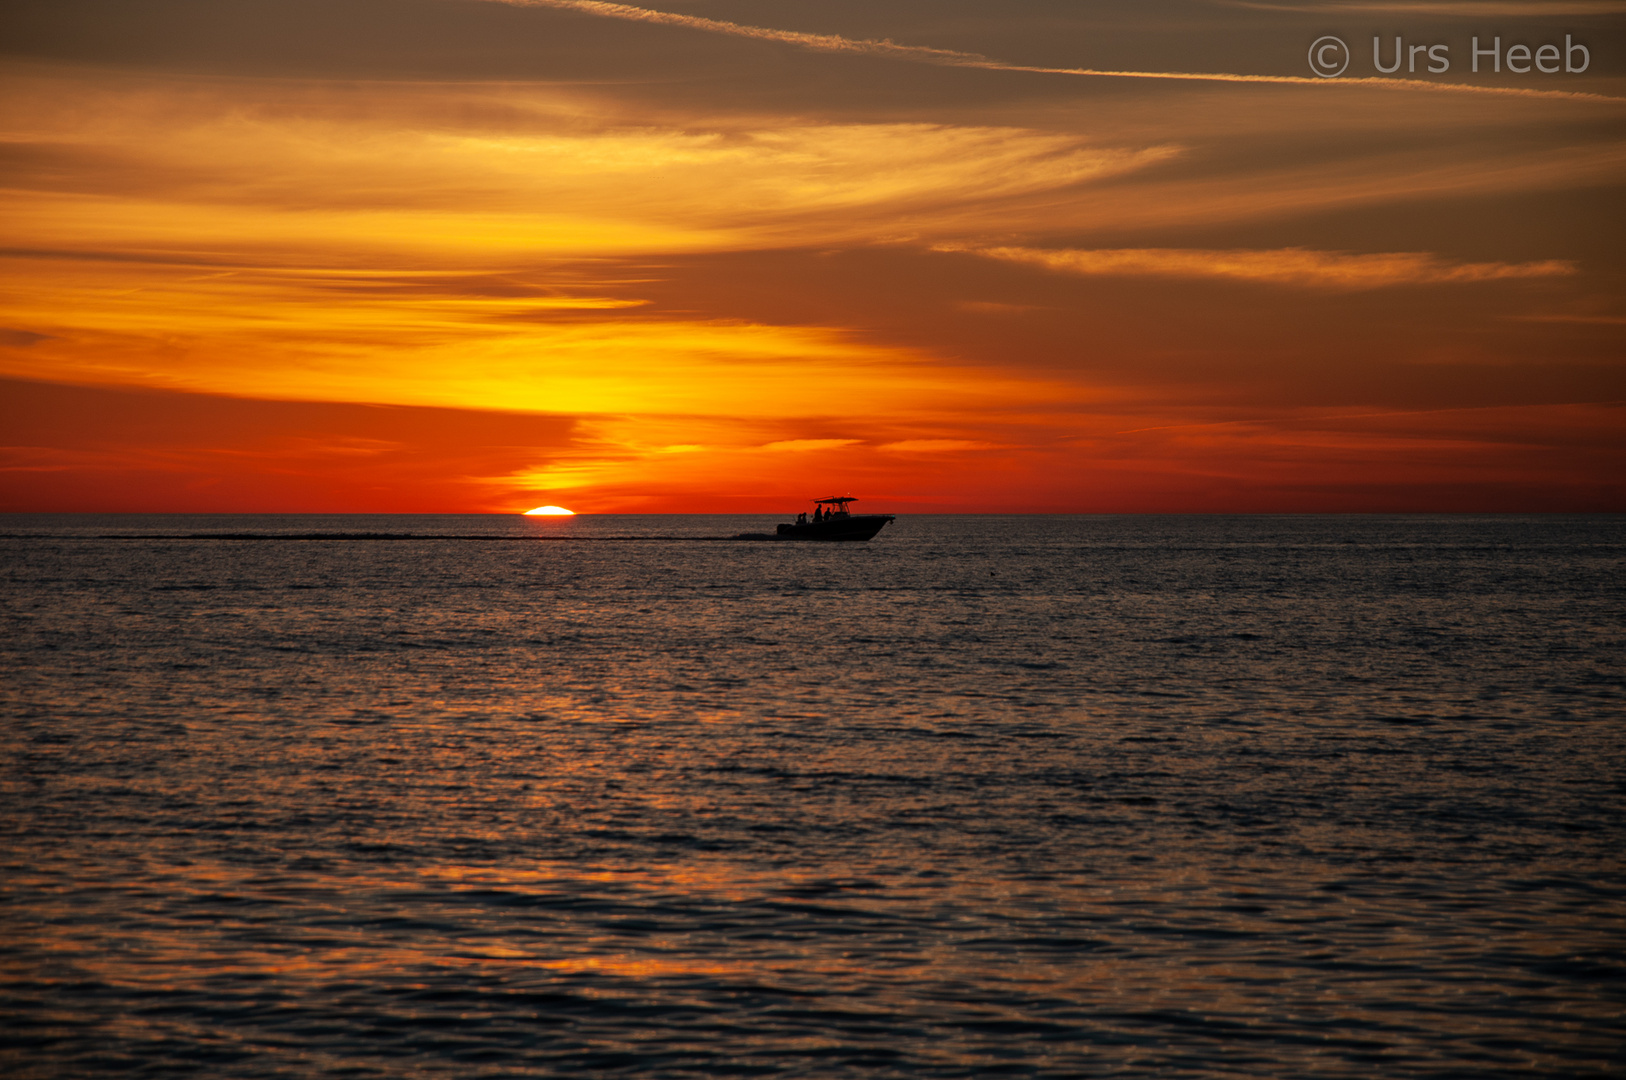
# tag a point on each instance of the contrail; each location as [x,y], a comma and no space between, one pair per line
[953,58]
[820,42]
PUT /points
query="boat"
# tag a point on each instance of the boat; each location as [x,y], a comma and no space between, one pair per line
[831,520]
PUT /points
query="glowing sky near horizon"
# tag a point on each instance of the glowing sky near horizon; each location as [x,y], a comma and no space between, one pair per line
[440,255]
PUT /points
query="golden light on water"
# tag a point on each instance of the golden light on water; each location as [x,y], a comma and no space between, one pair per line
[550,511]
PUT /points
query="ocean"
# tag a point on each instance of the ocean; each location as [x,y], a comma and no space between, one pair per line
[1041,796]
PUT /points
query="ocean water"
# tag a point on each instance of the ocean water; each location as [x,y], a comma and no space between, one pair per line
[987,796]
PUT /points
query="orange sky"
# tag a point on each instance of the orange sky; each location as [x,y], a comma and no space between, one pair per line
[465,255]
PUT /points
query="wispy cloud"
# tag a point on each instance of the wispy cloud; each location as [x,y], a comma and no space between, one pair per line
[318,336]
[936,446]
[1279,266]
[804,445]
[142,164]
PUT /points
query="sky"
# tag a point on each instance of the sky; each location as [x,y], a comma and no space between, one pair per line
[730,255]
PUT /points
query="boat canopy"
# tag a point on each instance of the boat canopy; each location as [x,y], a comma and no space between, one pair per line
[838,500]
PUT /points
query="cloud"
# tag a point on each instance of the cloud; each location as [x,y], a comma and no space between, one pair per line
[803,445]
[397,340]
[20,339]
[935,446]
[477,178]
[134,164]
[74,448]
[993,307]
[1281,266]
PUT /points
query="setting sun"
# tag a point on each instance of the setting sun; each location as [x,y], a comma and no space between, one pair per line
[550,511]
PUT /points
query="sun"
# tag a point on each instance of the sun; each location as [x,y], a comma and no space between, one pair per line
[550,511]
